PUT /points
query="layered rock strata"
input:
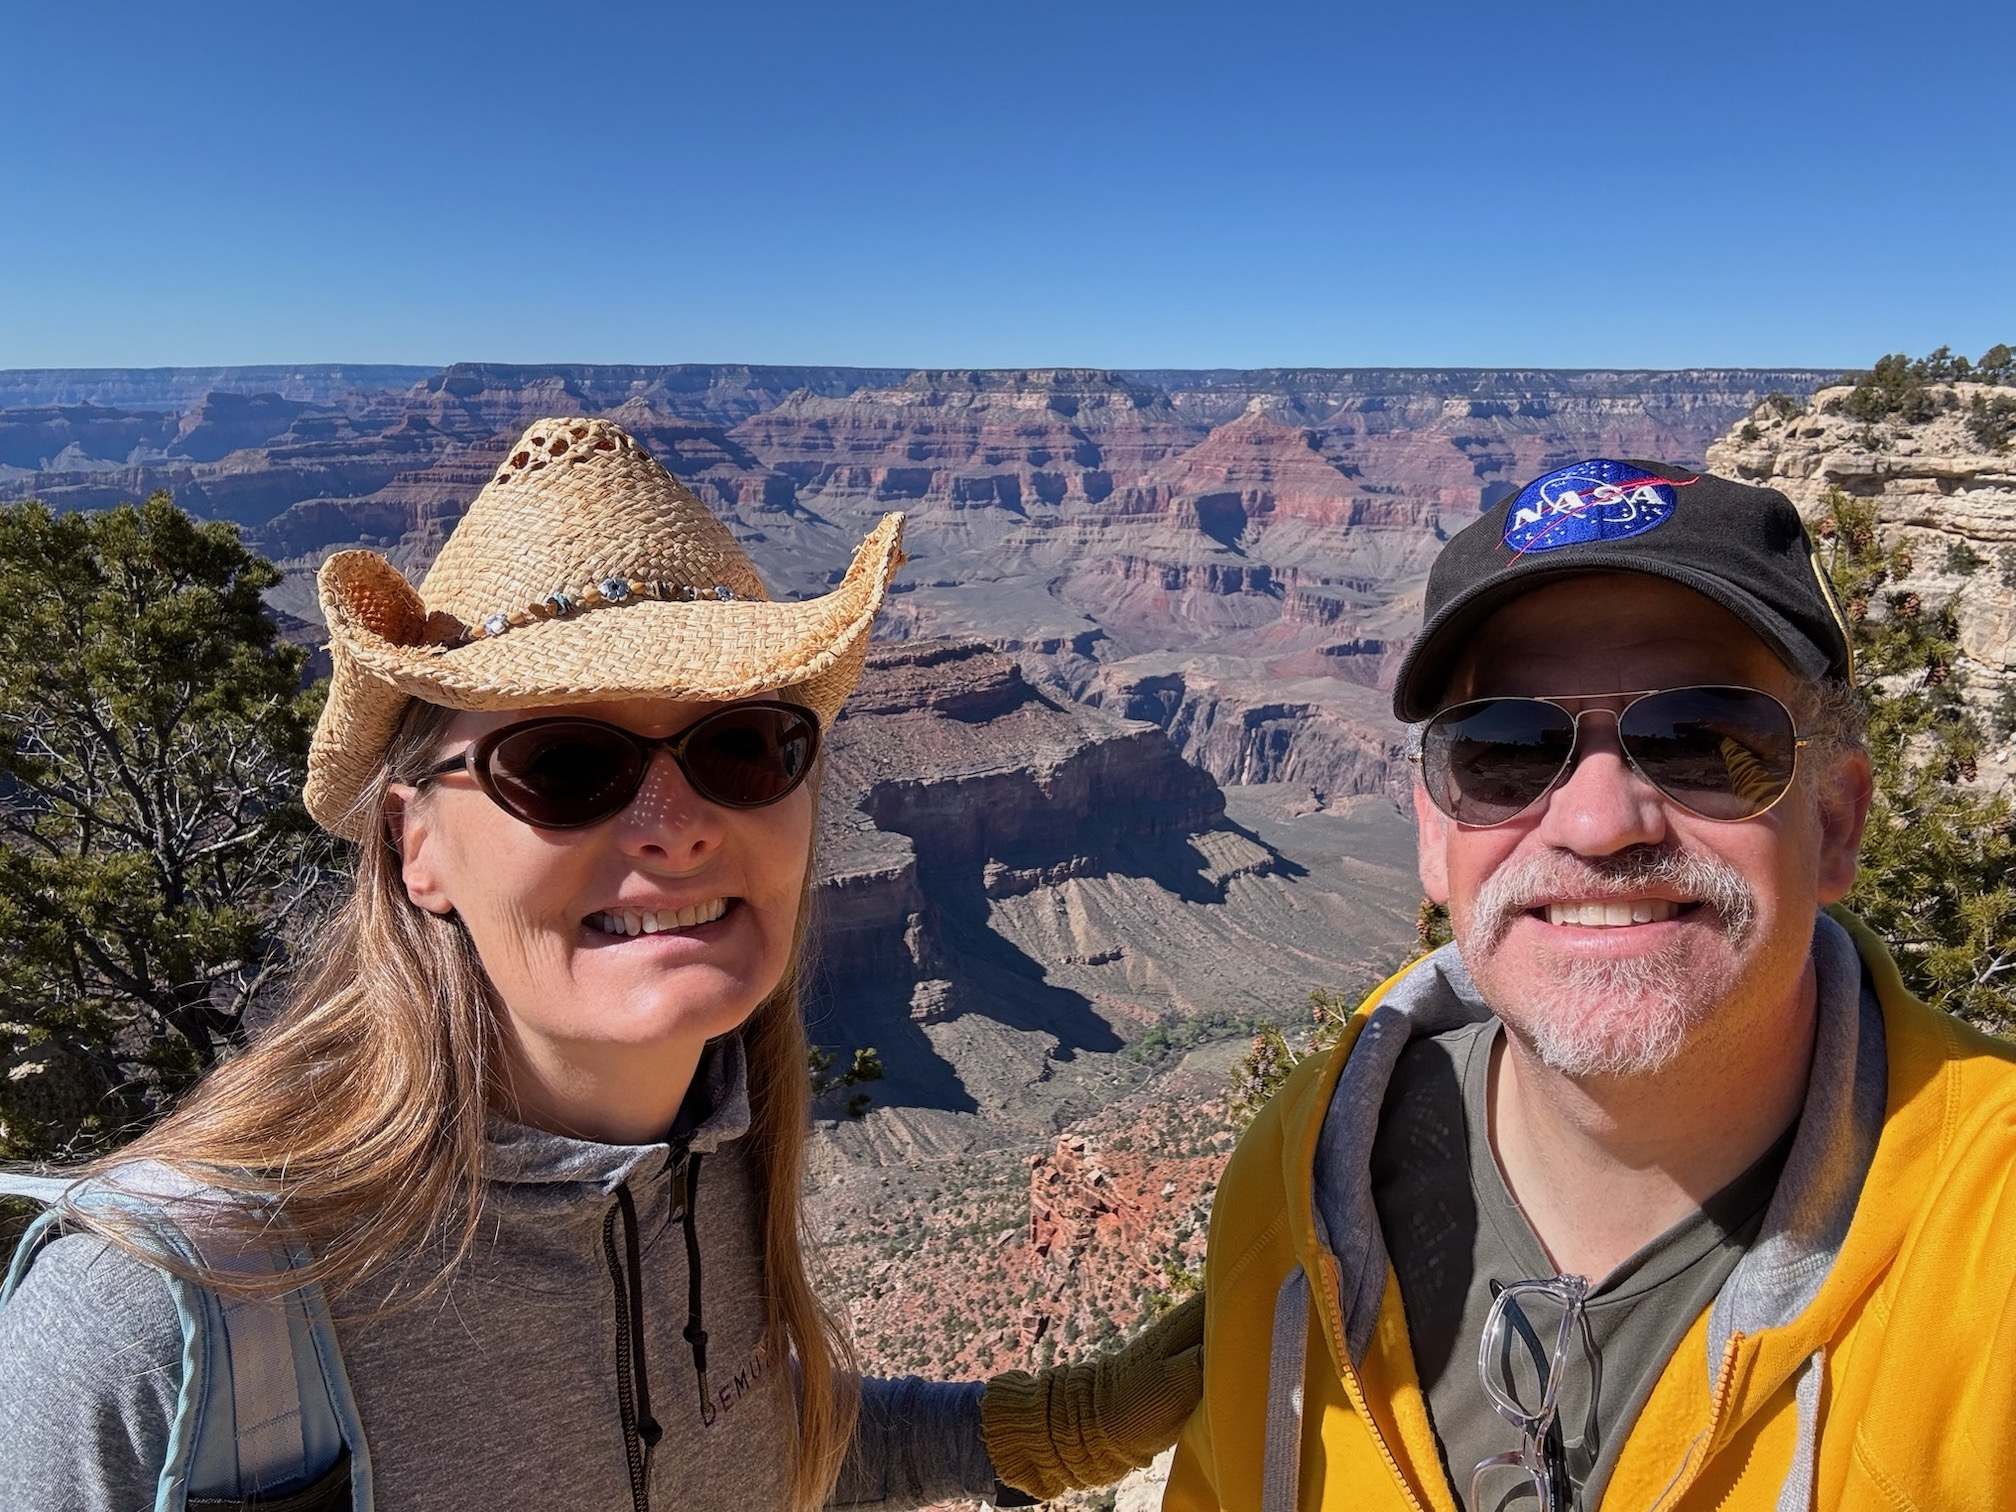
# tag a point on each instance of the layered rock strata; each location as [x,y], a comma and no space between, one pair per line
[1938,489]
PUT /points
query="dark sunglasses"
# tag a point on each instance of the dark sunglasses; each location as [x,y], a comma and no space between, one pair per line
[1722,753]
[564,772]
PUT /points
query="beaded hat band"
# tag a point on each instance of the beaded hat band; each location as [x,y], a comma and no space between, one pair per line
[450,632]
[583,572]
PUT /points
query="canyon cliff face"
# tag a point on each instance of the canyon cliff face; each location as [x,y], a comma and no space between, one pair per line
[1013,889]
[1044,919]
[1940,491]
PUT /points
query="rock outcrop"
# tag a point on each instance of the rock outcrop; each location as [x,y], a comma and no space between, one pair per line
[1338,742]
[966,1264]
[1015,441]
[1938,489]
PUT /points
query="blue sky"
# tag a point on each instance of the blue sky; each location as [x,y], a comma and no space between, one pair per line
[951,184]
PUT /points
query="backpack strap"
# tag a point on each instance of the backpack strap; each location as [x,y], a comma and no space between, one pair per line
[264,1401]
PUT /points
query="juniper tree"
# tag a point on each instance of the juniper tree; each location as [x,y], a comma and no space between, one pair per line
[1939,855]
[153,741]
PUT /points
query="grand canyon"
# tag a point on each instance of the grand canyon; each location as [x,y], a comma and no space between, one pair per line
[1120,780]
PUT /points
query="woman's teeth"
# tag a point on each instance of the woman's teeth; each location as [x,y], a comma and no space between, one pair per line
[1610,915]
[631,921]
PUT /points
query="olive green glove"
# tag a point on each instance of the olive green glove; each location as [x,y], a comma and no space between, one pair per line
[1088,1424]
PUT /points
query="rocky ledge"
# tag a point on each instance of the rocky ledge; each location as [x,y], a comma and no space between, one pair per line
[1948,497]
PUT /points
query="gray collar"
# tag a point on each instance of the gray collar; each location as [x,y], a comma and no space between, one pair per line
[1807,1222]
[719,1100]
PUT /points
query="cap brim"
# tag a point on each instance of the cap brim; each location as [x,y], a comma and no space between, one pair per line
[1424,671]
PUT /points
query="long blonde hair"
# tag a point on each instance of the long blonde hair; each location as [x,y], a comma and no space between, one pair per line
[362,1111]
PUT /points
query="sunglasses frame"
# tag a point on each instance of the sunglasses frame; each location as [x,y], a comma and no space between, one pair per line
[1573,757]
[474,760]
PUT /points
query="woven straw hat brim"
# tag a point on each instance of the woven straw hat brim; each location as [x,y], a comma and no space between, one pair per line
[809,651]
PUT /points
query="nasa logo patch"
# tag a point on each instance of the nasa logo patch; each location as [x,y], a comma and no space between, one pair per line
[1597,500]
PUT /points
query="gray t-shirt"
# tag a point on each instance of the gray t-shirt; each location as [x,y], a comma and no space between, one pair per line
[1455,1234]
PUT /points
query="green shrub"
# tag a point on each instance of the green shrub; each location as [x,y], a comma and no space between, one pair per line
[865,1067]
[1990,422]
[1943,367]
[1902,386]
[1895,386]
[1963,559]
[1938,856]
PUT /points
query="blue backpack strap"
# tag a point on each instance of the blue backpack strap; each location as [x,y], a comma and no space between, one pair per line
[264,1401]
[46,1190]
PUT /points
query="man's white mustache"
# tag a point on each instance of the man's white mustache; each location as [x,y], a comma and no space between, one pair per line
[1561,875]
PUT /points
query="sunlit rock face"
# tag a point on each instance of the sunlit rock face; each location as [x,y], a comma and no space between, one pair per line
[1950,499]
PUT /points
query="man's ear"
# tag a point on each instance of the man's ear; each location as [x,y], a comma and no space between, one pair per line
[1431,833]
[1845,788]
[410,823]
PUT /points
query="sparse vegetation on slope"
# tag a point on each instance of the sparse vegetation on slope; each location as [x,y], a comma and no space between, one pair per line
[1914,389]
[1266,1065]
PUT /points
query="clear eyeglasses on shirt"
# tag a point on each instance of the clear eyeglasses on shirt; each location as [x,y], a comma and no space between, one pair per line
[1520,1360]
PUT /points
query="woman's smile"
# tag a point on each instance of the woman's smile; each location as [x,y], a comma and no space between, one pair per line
[645,919]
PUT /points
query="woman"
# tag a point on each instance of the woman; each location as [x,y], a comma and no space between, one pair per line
[535,1118]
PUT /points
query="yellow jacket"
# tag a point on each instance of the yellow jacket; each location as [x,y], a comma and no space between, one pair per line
[1864,1360]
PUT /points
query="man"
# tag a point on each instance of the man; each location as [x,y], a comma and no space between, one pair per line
[1656,1189]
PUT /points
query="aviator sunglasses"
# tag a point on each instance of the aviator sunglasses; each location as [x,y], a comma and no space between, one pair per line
[1722,753]
[565,772]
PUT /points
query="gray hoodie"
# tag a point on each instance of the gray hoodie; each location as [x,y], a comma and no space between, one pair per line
[524,1382]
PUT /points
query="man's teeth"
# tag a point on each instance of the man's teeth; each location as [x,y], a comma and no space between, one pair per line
[1610,915]
[631,921]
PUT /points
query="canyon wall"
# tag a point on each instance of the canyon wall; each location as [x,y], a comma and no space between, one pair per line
[1013,888]
[1259,536]
[1942,492]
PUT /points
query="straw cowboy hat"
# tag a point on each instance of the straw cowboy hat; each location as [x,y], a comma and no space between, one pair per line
[583,571]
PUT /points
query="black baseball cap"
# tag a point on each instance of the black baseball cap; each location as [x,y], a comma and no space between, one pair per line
[1743,547]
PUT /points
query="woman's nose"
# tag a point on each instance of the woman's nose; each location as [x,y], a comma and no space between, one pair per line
[667,821]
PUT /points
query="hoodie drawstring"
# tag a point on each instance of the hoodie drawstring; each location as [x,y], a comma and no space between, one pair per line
[685,1198]
[641,1431]
[1796,1495]
[633,1382]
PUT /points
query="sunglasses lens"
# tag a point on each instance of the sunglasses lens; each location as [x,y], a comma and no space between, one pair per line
[562,773]
[748,755]
[1725,753]
[1488,761]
